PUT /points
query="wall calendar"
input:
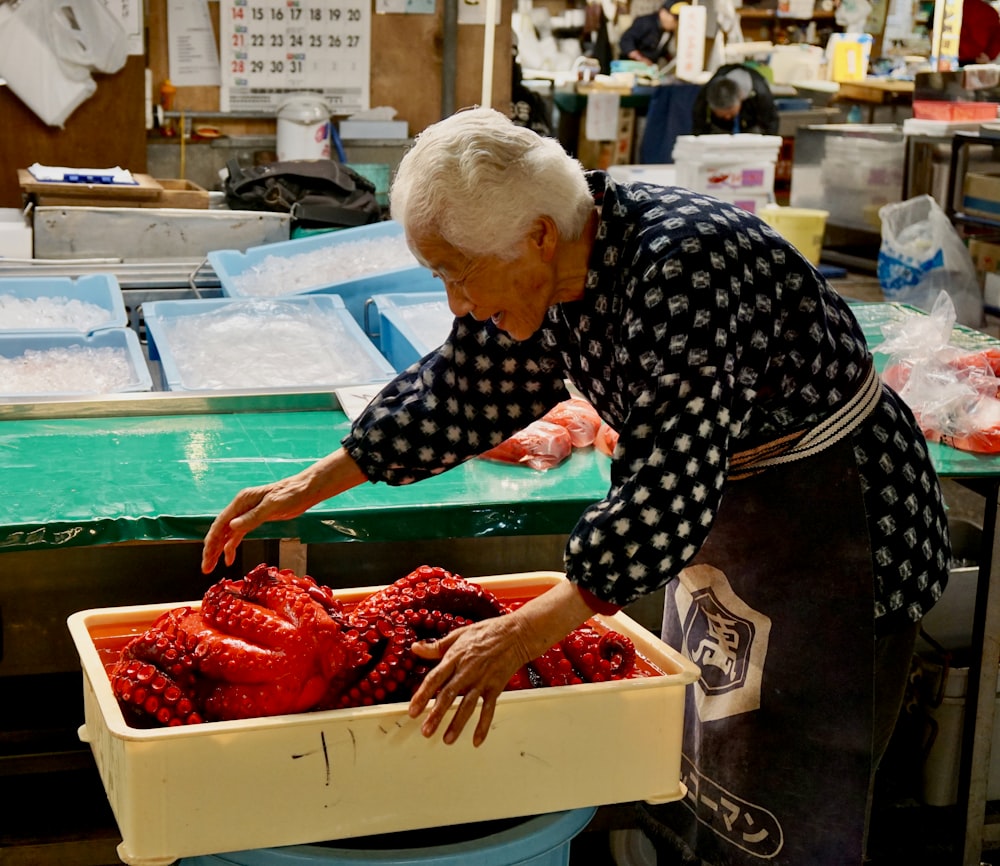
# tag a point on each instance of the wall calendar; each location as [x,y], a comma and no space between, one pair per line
[270,48]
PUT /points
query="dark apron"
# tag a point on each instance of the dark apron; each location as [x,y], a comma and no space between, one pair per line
[777,610]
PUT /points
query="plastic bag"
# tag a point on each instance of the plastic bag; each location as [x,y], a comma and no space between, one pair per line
[48,48]
[954,393]
[921,255]
[541,445]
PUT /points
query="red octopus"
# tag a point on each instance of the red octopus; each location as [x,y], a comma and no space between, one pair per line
[274,642]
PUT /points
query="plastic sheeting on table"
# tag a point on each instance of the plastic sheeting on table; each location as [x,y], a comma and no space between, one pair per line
[91,481]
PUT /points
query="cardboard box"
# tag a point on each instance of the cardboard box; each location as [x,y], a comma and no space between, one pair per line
[602,154]
[294,779]
[981,195]
[985,255]
[178,192]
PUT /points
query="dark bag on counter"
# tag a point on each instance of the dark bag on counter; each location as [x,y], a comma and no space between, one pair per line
[318,193]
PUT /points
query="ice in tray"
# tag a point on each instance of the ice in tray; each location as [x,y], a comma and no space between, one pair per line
[354,263]
[295,779]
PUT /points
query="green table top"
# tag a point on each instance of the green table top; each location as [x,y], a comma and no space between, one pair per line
[88,481]
[83,481]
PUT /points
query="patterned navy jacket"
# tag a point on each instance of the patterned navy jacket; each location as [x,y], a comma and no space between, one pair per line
[701,333]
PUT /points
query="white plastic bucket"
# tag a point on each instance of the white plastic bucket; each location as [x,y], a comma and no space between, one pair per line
[802,227]
[303,127]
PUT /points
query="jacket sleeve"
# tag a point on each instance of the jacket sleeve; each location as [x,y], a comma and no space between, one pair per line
[462,399]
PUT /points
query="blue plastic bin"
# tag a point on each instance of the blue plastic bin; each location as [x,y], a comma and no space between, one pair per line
[102,290]
[540,841]
[230,264]
[160,315]
[14,345]
[394,332]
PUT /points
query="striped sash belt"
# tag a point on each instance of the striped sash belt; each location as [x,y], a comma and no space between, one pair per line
[799,445]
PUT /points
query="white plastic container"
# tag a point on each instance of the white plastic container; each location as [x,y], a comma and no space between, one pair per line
[941,765]
[303,127]
[295,779]
[727,163]
[15,234]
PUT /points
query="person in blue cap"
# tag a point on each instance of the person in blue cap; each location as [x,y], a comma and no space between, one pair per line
[651,38]
[736,99]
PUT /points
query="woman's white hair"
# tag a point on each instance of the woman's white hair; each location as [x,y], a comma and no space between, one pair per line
[479,182]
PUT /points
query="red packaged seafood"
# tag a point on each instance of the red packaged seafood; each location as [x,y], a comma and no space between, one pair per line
[541,445]
[579,418]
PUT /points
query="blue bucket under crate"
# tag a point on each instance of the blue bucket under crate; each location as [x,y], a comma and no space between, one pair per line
[178,374]
[101,290]
[391,320]
[540,841]
[16,345]
[231,265]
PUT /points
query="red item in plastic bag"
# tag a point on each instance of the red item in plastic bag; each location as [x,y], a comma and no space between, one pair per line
[541,445]
[607,439]
[978,421]
[579,418]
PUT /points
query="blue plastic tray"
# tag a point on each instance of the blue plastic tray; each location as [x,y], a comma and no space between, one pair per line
[13,345]
[160,315]
[102,290]
[229,264]
[399,342]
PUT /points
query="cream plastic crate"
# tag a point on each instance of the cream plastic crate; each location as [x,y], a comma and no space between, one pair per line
[294,779]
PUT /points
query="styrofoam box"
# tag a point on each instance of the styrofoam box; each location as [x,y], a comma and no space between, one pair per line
[411,324]
[294,779]
[15,234]
[717,163]
[13,345]
[751,202]
[355,291]
[161,315]
[664,175]
[101,290]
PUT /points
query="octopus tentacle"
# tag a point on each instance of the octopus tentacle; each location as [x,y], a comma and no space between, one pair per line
[276,642]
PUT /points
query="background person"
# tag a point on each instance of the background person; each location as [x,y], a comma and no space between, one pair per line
[782,496]
[735,99]
[979,38]
[651,38]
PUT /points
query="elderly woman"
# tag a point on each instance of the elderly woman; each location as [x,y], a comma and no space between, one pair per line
[763,475]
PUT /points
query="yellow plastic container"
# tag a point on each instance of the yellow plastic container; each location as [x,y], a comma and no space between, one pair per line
[802,227]
[296,779]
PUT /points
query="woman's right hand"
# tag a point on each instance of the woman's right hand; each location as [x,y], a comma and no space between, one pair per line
[279,500]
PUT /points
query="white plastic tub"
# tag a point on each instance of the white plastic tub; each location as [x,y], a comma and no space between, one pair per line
[295,779]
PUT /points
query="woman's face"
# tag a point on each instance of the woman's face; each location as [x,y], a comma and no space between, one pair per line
[514,293]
